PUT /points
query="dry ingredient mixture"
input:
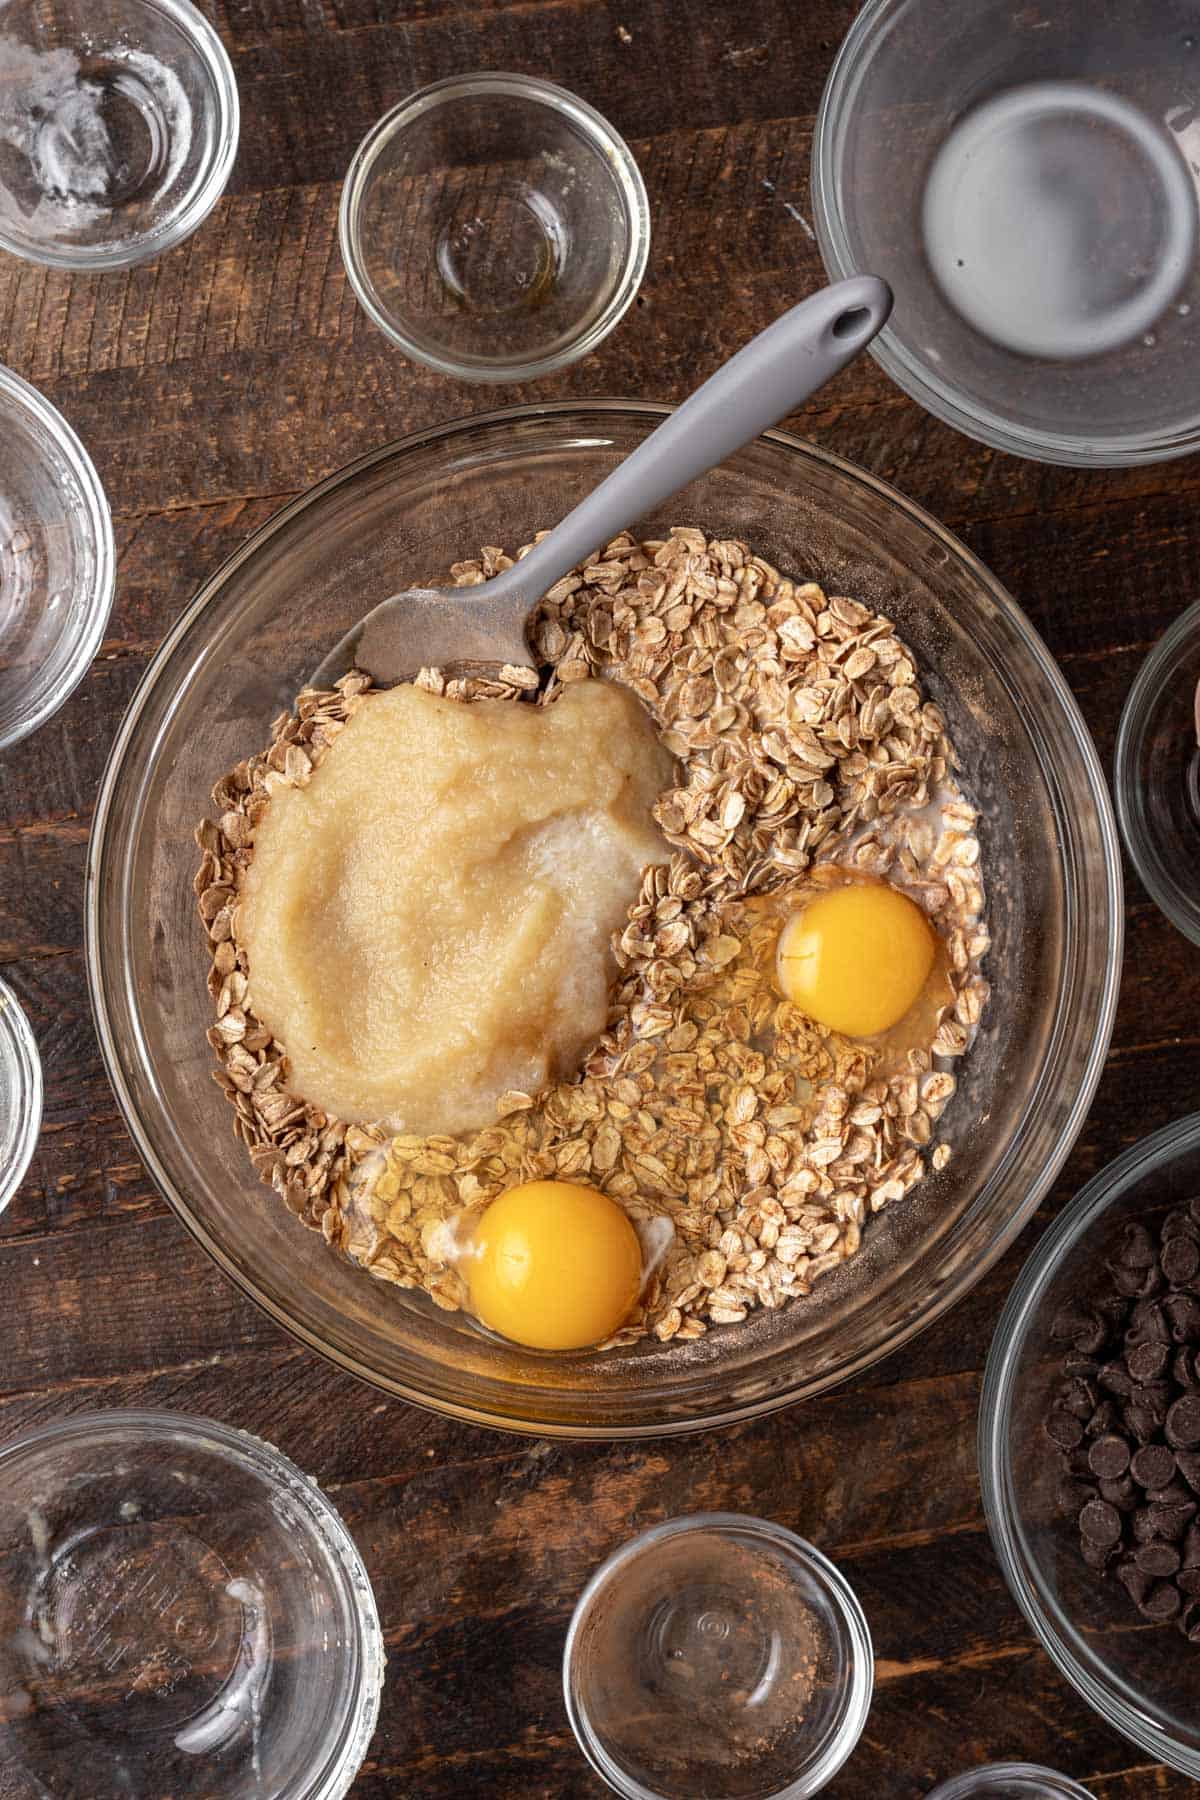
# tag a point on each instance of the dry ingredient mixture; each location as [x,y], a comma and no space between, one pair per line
[806,749]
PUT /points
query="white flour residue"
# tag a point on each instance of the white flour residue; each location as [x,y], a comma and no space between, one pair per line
[239,1703]
[52,114]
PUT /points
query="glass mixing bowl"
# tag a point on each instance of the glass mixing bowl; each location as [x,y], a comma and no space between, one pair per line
[1142,1680]
[399,518]
[1023,178]
[1156,774]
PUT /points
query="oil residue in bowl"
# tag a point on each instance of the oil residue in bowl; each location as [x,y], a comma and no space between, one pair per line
[1059,220]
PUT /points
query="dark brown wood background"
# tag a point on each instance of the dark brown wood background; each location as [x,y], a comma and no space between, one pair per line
[212,386]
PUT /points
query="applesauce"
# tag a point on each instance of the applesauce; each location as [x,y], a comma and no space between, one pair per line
[427,921]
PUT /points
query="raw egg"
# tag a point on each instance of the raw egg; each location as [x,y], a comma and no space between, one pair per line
[554,1265]
[856,958]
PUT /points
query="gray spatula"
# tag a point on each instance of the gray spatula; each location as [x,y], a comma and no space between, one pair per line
[769,378]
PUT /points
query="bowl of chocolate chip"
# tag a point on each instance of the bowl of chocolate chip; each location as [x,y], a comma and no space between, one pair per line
[1090,1443]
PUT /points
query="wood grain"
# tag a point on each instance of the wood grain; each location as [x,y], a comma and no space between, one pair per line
[214,385]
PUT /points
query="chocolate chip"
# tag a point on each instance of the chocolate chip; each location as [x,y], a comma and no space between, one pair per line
[1184,1372]
[1180,1259]
[1171,1520]
[1183,1423]
[1085,1367]
[1152,1466]
[1191,1547]
[1064,1429]
[1100,1523]
[1109,1456]
[1090,1334]
[1136,1584]
[1157,1559]
[1071,1320]
[1185,1219]
[1137,1284]
[1147,1361]
[1072,1494]
[1189,1622]
[1141,1419]
[1145,1526]
[1079,1399]
[1106,1417]
[1188,1464]
[1147,1324]
[1096,1556]
[1183,1315]
[1121,1493]
[1172,1493]
[1162,1602]
[1188,1581]
[1138,1251]
[1115,1378]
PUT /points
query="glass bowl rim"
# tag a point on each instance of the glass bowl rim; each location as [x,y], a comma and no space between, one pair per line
[919,381]
[958,1787]
[19,1046]
[341,1556]
[1145,1157]
[26,398]
[950,1291]
[845,1605]
[1182,909]
[604,139]
[80,259]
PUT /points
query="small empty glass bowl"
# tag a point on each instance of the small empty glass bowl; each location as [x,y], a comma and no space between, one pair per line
[1023,179]
[1010,1781]
[494,226]
[20,1094]
[1157,774]
[57,560]
[717,1655]
[1143,1680]
[181,1612]
[118,128]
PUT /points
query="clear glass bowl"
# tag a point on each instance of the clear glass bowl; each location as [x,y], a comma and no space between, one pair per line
[718,1655]
[1045,268]
[57,559]
[494,226]
[119,126]
[20,1094]
[182,1612]
[1009,1781]
[1143,1681]
[399,518]
[1156,774]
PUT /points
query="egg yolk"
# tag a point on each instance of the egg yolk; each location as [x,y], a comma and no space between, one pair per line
[856,958]
[555,1265]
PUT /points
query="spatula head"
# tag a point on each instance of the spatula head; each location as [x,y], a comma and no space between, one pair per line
[425,628]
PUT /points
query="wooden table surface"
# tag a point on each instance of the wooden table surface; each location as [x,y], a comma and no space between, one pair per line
[210,387]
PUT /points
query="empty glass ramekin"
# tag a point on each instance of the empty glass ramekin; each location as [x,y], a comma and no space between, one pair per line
[1157,774]
[1009,1781]
[181,1612]
[718,1654]
[119,120]
[57,558]
[494,226]
[20,1094]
